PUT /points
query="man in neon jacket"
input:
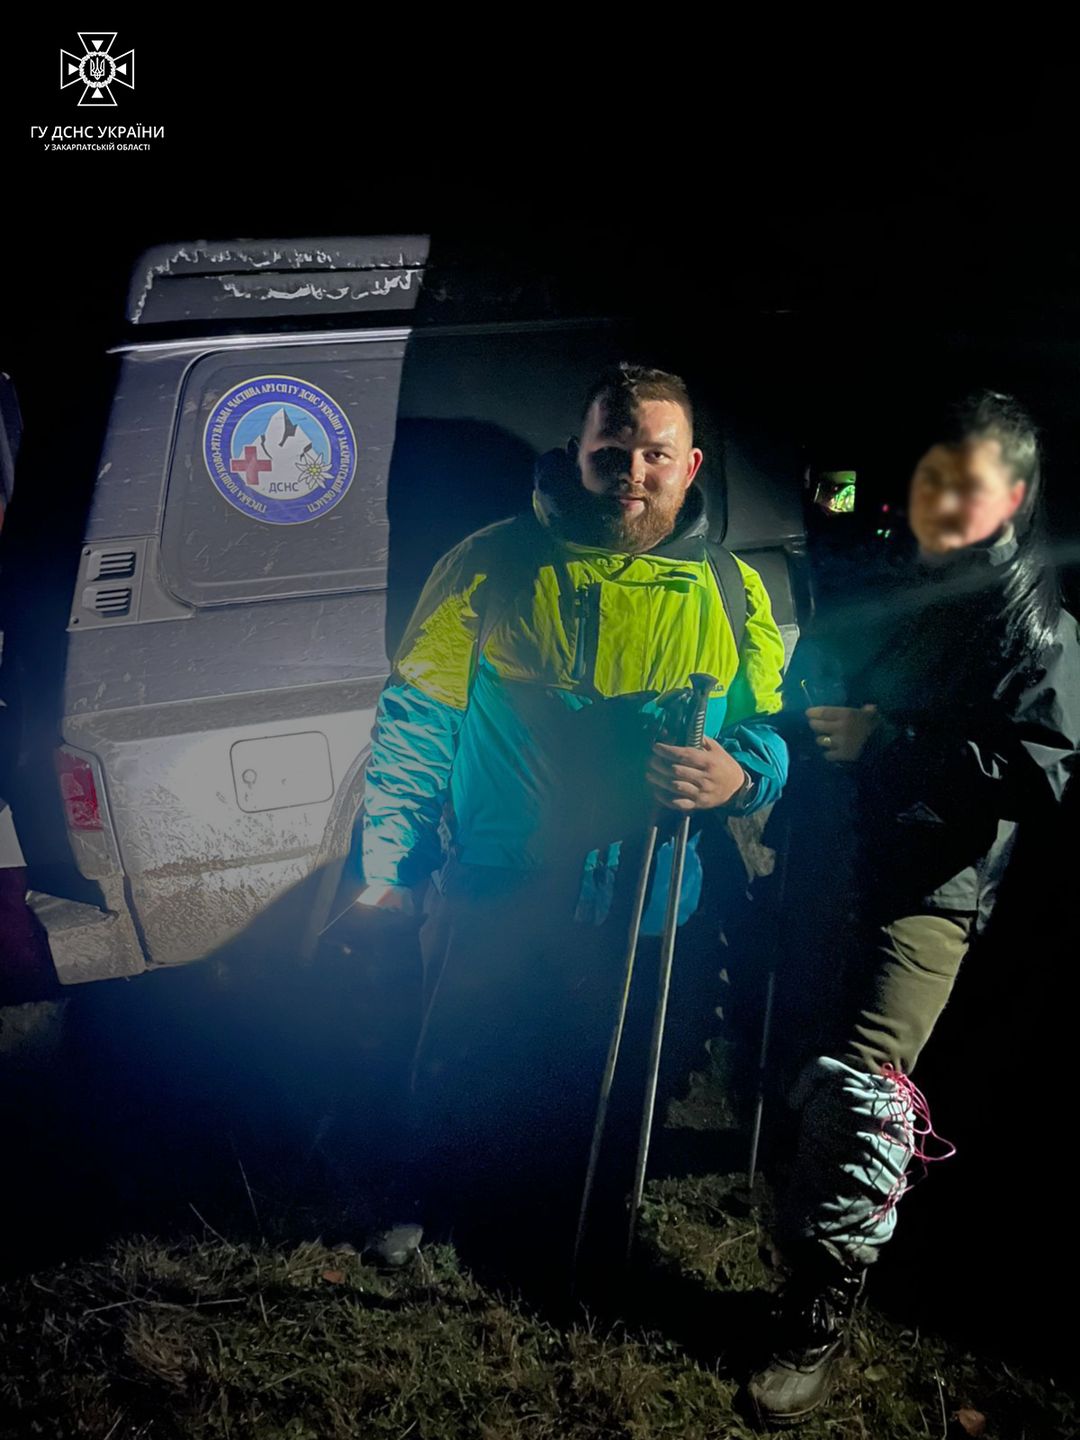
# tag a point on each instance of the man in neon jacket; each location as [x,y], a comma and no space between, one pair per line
[515,746]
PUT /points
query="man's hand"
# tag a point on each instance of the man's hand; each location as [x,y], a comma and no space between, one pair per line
[398,899]
[842,732]
[684,778]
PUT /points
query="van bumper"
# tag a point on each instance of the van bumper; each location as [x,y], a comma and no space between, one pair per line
[87,943]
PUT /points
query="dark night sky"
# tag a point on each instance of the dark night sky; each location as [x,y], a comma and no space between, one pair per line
[784,189]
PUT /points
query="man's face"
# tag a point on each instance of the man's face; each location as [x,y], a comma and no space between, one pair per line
[961,495]
[638,467]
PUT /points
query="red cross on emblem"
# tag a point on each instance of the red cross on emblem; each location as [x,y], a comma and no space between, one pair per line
[250,466]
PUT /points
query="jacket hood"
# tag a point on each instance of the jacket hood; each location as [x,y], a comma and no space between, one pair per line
[559,501]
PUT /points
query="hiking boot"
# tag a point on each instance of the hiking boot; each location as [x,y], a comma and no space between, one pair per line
[395,1248]
[811,1321]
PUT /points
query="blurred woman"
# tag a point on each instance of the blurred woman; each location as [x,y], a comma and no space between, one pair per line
[962,678]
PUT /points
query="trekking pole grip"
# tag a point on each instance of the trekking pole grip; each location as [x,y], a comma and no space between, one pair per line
[702,687]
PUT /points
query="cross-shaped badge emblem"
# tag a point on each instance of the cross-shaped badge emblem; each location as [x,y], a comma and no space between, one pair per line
[250,466]
[96,69]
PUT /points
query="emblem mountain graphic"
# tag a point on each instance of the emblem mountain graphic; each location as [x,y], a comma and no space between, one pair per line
[290,451]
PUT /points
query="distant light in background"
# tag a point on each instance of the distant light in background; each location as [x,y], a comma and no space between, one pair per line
[835,492]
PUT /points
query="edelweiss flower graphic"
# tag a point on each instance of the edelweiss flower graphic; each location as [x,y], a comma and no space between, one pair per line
[313,467]
[96,69]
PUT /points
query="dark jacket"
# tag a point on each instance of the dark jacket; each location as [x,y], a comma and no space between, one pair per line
[969,746]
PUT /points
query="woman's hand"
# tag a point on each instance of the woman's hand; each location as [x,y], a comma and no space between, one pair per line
[684,778]
[842,732]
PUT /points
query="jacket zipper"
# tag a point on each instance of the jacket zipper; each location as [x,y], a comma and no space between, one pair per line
[587,606]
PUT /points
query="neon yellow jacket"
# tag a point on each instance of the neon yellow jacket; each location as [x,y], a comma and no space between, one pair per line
[540,743]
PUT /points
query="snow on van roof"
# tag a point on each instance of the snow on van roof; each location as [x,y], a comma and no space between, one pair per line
[203,280]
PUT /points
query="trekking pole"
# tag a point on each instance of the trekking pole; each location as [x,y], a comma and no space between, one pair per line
[703,686]
[616,1040]
[770,991]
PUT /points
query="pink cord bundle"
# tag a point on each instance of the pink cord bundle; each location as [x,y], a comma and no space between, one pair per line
[910,1114]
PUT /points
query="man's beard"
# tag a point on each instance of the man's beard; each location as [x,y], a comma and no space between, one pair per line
[604,522]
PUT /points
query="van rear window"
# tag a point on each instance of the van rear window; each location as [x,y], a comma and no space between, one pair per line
[278,473]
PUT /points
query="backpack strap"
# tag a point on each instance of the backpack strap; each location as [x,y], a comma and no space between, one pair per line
[732,588]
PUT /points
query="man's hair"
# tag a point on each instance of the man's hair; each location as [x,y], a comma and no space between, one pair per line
[623,387]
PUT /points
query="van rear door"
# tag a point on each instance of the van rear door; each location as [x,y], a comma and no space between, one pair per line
[226,633]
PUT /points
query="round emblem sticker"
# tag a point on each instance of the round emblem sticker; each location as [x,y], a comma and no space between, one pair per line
[279,449]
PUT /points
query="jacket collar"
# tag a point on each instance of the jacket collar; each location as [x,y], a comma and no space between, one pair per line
[1004,548]
[973,564]
[556,502]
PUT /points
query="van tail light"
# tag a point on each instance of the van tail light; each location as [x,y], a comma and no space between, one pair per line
[78,791]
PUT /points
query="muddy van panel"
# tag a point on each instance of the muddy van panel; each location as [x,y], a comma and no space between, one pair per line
[221,808]
[226,634]
[86,942]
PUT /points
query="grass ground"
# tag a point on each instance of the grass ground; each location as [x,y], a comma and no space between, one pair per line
[215,1335]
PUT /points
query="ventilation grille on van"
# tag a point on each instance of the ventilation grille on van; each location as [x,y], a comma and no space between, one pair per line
[113,602]
[114,565]
[118,584]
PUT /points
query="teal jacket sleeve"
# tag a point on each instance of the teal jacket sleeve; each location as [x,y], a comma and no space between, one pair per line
[405,785]
[417,721]
[761,751]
